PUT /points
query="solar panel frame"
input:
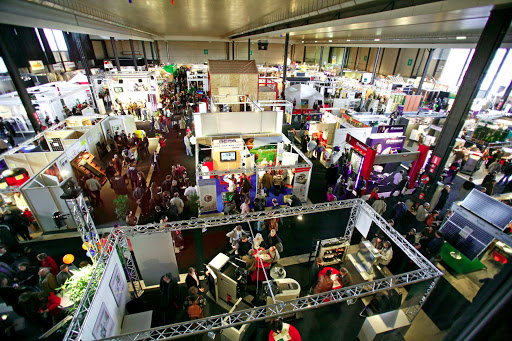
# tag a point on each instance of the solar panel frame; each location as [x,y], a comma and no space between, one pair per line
[488,208]
[474,239]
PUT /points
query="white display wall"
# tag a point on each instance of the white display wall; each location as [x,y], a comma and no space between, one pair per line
[224,123]
[108,307]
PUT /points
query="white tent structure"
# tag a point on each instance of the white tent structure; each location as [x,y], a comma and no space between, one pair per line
[299,92]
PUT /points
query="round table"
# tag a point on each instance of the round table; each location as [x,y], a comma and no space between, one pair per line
[261,266]
[274,272]
[294,334]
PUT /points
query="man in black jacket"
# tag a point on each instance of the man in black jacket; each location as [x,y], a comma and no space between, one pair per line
[169,293]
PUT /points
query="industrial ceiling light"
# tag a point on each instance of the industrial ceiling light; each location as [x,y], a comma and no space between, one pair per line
[376,39]
[348,39]
[460,37]
[316,41]
[303,41]
[330,41]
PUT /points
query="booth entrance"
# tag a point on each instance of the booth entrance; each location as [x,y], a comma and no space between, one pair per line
[360,217]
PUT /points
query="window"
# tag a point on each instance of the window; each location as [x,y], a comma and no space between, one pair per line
[55,39]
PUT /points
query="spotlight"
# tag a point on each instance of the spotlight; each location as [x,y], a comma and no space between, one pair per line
[460,37]
[299,217]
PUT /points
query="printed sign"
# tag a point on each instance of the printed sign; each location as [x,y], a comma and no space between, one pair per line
[300,188]
[207,195]
[352,121]
[224,145]
[205,51]
[356,144]
[36,65]
[69,65]
[387,129]
[57,67]
[409,62]
[389,145]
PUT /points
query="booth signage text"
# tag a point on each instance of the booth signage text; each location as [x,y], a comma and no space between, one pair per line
[388,129]
[352,121]
[228,145]
[357,145]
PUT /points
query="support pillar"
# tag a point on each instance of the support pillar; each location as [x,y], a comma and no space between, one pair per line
[355,62]
[285,64]
[374,72]
[19,85]
[78,41]
[368,59]
[414,65]
[152,53]
[344,60]
[233,50]
[144,53]
[304,56]
[167,48]
[437,63]
[396,61]
[133,55]
[496,74]
[489,42]
[321,57]
[116,56]
[425,70]
[157,52]
[381,59]
[505,95]
[249,49]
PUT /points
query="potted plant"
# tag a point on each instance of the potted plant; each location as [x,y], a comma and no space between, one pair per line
[193,204]
[122,205]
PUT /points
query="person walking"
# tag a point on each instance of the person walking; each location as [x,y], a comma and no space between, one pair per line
[94,186]
[467,187]
[118,165]
[155,161]
[442,198]
[169,297]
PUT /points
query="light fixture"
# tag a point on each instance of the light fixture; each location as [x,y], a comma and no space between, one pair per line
[316,41]
[303,41]
[460,37]
[299,217]
[348,39]
[330,41]
[377,39]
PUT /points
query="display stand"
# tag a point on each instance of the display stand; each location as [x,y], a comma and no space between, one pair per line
[85,164]
[387,326]
[333,250]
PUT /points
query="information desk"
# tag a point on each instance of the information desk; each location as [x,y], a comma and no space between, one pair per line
[458,262]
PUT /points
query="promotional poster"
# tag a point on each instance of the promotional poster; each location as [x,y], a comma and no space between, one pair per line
[389,145]
[389,129]
[300,184]
[208,195]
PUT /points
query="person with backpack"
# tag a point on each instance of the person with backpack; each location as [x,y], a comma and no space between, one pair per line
[194,304]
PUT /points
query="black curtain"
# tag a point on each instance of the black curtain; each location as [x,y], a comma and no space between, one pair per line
[22,44]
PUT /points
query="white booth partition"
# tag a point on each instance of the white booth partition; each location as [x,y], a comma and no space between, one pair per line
[32,162]
[219,123]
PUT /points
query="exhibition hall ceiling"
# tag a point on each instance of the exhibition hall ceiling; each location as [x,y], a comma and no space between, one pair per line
[310,21]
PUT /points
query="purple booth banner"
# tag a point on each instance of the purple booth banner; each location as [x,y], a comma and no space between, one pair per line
[386,145]
[389,129]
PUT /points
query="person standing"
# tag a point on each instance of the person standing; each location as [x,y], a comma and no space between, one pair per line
[397,178]
[17,223]
[94,186]
[467,187]
[188,147]
[192,279]
[345,277]
[169,297]
[155,161]
[266,182]
[110,172]
[183,126]
[176,201]
[118,165]
[443,198]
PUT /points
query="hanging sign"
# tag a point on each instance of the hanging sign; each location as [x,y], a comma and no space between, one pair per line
[300,183]
[205,51]
[409,62]
[207,195]
[57,67]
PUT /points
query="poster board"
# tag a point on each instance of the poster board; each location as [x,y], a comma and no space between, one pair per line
[340,135]
[108,307]
[300,185]
[155,256]
[364,221]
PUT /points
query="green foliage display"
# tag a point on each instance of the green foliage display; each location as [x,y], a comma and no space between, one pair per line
[75,286]
[122,205]
[488,134]
[193,204]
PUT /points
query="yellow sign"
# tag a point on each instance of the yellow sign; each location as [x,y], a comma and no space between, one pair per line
[36,65]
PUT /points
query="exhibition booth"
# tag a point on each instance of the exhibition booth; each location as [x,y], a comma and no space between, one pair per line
[76,150]
[49,101]
[304,96]
[130,90]
[252,146]
[107,311]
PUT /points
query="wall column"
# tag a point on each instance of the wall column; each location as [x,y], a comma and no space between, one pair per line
[116,56]
[285,64]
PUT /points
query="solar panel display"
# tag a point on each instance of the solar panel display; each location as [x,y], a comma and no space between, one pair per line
[464,232]
[489,209]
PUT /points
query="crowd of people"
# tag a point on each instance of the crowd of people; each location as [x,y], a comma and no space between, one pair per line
[30,283]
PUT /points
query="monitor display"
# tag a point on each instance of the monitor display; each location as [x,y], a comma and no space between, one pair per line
[227,156]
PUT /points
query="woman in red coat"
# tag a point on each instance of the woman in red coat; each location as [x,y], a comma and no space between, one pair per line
[48,262]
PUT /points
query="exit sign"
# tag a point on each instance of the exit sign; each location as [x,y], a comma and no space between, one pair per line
[409,62]
[364,59]
[251,52]
[205,51]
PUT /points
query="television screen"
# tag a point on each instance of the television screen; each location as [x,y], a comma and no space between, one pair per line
[227,156]
[118,89]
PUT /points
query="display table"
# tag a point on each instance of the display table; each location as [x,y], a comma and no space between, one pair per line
[387,326]
[85,164]
[293,335]
[460,264]
[135,322]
